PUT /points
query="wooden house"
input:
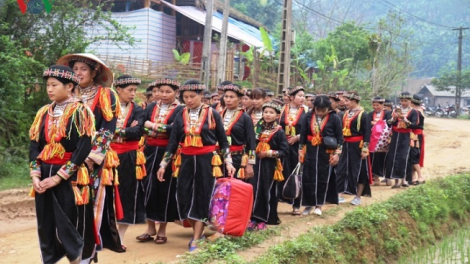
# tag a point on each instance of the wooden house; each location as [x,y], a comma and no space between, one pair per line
[160,26]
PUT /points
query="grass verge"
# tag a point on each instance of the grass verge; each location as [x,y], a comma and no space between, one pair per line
[14,176]
[381,233]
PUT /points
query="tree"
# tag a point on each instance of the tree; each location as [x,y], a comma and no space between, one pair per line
[28,44]
[448,80]
[63,30]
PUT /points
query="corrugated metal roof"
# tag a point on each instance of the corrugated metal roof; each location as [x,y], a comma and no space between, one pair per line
[450,93]
[236,29]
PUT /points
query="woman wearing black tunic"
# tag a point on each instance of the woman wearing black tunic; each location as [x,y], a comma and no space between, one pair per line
[417,137]
[258,98]
[160,196]
[131,169]
[319,180]
[240,133]
[290,121]
[60,142]
[353,173]
[196,130]
[397,162]
[378,158]
[94,91]
[272,145]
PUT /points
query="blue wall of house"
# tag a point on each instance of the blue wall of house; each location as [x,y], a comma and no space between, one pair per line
[154,32]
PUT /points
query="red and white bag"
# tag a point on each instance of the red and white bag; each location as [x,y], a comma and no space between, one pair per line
[380,137]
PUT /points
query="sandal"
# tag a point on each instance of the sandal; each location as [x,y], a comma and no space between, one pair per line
[406,185]
[161,239]
[124,248]
[396,186]
[261,226]
[144,238]
[251,226]
[296,212]
[415,183]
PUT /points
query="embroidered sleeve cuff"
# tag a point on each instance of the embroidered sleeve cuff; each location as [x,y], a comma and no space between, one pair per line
[273,153]
[251,157]
[226,154]
[35,169]
[166,159]
[96,157]
[67,170]
[161,129]
[339,150]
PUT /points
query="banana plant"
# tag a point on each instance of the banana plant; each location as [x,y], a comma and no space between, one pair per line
[182,58]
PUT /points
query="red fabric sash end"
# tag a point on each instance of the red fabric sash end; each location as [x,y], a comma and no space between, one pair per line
[353,139]
[125,147]
[157,142]
[401,130]
[59,160]
[197,150]
[236,148]
[422,146]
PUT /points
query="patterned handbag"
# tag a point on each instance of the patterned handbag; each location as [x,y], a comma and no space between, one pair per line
[384,138]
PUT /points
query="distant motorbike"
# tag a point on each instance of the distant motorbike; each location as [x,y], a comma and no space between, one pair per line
[430,111]
[439,111]
[448,111]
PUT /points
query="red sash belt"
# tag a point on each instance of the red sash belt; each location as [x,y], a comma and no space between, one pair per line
[236,148]
[157,142]
[59,160]
[197,150]
[421,146]
[401,130]
[125,147]
[353,139]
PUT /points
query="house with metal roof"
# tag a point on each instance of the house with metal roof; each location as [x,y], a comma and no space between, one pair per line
[160,26]
[434,97]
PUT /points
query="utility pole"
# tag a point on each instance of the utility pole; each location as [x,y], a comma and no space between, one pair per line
[223,44]
[206,45]
[283,76]
[458,87]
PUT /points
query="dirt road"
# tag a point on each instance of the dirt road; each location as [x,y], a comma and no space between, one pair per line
[447,152]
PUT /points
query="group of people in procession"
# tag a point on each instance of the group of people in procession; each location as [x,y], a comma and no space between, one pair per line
[100,162]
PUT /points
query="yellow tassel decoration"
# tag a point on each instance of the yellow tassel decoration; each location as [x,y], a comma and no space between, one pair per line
[139,174]
[262,146]
[176,172]
[77,194]
[244,160]
[36,126]
[82,176]
[32,193]
[178,159]
[216,160]
[193,141]
[111,159]
[106,176]
[217,172]
[241,173]
[52,150]
[86,194]
[105,103]
[278,171]
[316,140]
[140,158]
[116,177]
[346,132]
